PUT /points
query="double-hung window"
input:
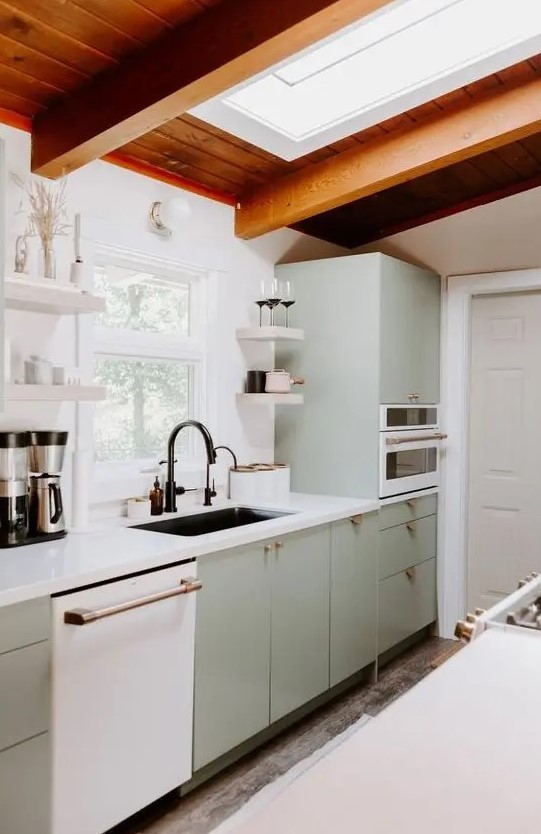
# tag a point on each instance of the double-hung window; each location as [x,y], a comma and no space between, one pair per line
[149,352]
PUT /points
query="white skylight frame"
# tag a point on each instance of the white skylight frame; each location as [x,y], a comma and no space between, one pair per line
[278,122]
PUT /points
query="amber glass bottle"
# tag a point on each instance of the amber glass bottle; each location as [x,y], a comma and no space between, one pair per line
[156,498]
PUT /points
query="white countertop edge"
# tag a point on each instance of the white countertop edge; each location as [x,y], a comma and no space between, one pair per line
[86,558]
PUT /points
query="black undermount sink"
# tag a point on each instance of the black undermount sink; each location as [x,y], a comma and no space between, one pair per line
[202,523]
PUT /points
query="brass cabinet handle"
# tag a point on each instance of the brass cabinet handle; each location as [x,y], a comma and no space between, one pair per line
[278,545]
[83,616]
[415,438]
[356,519]
[411,503]
[411,526]
[410,573]
[268,548]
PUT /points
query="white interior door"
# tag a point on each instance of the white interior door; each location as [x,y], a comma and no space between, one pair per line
[504,530]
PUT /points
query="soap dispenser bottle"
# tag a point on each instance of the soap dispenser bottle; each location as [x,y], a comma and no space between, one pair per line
[156,498]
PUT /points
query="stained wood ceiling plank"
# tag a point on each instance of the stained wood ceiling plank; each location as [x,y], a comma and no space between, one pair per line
[171,149]
[43,38]
[431,145]
[533,145]
[494,167]
[211,53]
[11,101]
[128,17]
[26,87]
[17,56]
[78,24]
[140,151]
[218,149]
[518,158]
[174,12]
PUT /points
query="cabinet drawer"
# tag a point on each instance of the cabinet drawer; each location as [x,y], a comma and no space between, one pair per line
[392,514]
[24,787]
[406,604]
[24,623]
[406,545]
[24,693]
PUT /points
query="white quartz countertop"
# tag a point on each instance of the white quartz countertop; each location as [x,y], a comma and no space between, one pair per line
[85,558]
[459,752]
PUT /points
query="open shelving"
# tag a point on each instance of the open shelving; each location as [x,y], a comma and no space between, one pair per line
[270,334]
[36,296]
[54,393]
[271,399]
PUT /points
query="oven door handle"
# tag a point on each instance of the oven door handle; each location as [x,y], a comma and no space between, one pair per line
[415,438]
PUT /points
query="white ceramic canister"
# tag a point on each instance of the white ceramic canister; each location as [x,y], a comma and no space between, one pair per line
[259,482]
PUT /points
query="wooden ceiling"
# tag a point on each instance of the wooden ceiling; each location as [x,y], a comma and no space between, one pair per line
[51,48]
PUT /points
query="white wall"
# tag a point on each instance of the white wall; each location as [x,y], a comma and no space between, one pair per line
[504,235]
[117,202]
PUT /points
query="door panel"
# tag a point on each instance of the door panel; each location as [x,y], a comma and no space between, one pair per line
[232,651]
[353,598]
[300,620]
[505,465]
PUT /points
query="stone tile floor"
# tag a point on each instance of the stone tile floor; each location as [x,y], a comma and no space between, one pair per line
[206,807]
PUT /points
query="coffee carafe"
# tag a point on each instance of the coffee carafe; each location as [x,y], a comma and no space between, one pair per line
[13,488]
[46,452]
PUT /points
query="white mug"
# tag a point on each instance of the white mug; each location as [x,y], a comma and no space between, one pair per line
[280,382]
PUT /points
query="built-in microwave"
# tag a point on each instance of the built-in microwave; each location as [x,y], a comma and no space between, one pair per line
[410,449]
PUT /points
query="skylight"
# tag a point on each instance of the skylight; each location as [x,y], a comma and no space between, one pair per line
[409,52]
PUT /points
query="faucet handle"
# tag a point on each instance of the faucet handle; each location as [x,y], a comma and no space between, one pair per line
[180,490]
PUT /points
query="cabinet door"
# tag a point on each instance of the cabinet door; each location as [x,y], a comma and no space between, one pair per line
[300,620]
[410,334]
[353,596]
[25,787]
[232,650]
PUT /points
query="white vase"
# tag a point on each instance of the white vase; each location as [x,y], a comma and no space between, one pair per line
[47,263]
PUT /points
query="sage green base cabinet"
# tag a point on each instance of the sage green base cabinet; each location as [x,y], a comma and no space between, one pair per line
[232,658]
[353,595]
[300,620]
[278,623]
[24,718]
[407,597]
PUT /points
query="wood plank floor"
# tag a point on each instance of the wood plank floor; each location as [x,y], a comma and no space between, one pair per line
[205,808]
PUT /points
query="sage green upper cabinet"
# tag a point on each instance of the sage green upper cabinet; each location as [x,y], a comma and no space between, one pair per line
[410,334]
[300,620]
[371,328]
[232,650]
[353,595]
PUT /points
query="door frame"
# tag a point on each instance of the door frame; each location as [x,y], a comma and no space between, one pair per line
[454,500]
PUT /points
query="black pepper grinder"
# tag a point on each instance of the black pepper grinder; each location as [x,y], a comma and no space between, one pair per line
[156,498]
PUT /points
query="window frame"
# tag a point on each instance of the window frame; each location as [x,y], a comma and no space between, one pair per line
[192,350]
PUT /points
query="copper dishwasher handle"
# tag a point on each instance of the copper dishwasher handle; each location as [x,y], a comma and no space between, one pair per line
[84,616]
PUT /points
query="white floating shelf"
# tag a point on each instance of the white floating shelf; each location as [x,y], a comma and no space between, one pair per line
[270,334]
[37,296]
[55,393]
[271,399]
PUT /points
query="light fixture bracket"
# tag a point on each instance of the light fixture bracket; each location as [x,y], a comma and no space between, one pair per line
[155,221]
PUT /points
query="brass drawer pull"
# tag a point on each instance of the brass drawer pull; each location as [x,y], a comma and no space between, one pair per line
[411,526]
[279,545]
[268,548]
[83,616]
[410,573]
[356,519]
[411,504]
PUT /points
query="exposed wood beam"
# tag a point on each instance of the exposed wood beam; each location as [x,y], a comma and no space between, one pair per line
[227,44]
[428,146]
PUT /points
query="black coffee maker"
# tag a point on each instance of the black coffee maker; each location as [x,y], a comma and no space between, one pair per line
[13,488]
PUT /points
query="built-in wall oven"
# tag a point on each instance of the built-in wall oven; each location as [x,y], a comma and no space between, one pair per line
[410,449]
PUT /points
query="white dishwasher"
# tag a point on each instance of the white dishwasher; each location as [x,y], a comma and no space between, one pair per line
[122,713]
